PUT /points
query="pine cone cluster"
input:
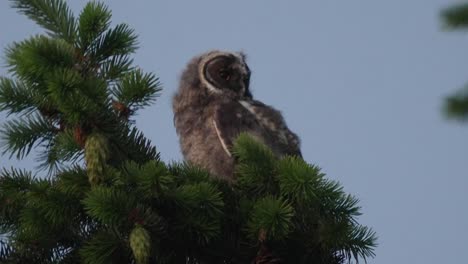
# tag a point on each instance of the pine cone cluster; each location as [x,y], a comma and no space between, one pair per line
[140,244]
[96,155]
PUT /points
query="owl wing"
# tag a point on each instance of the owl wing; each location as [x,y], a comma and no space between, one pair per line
[230,119]
[261,121]
[284,141]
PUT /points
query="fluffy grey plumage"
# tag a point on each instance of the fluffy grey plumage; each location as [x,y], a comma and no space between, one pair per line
[214,104]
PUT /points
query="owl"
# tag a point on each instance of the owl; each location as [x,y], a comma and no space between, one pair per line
[213,105]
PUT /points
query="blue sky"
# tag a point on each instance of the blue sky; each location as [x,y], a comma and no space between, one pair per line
[361,82]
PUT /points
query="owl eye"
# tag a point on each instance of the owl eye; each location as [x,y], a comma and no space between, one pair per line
[223,73]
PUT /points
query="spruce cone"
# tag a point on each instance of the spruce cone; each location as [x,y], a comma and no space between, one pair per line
[140,243]
[96,155]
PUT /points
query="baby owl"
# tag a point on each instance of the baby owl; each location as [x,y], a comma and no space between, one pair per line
[213,105]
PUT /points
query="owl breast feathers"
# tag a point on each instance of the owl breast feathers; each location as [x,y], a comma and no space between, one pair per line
[213,105]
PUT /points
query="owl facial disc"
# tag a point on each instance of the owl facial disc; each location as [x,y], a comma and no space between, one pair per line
[226,72]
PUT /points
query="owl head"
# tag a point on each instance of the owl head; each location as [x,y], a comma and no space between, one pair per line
[222,72]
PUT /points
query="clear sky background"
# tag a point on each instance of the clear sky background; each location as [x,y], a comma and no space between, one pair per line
[361,82]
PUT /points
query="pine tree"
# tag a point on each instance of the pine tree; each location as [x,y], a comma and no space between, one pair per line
[108,197]
[456,18]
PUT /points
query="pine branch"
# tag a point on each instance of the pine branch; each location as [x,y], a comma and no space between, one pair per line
[109,205]
[121,40]
[134,146]
[115,67]
[16,97]
[53,15]
[361,243]
[270,219]
[42,224]
[35,229]
[456,17]
[104,247]
[19,136]
[14,184]
[456,106]
[325,216]
[199,211]
[58,208]
[62,148]
[93,21]
[137,89]
[342,208]
[77,98]
[73,181]
[203,196]
[256,163]
[298,180]
[184,173]
[152,180]
[15,181]
[34,59]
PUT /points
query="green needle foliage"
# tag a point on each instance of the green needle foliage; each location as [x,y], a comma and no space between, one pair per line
[110,199]
[456,18]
